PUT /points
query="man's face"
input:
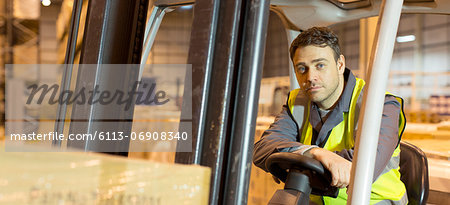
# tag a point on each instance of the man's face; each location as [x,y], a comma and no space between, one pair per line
[319,75]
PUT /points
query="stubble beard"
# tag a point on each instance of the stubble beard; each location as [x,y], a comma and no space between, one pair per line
[322,100]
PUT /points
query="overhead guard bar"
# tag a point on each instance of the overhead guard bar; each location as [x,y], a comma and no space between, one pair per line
[373,102]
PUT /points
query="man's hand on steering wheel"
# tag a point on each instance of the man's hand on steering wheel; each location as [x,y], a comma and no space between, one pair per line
[339,167]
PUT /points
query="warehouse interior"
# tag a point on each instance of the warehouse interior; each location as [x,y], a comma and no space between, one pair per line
[37,32]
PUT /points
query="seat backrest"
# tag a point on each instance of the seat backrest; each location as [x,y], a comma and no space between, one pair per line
[414,173]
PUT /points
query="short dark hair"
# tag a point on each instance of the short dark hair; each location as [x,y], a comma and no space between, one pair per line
[317,36]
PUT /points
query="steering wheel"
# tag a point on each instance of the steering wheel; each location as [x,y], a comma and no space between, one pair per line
[280,164]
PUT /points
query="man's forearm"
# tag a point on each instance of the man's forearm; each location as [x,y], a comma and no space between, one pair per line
[280,137]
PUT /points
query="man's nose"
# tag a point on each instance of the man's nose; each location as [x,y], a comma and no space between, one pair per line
[312,75]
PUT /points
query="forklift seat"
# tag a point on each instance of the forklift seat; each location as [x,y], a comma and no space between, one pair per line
[414,173]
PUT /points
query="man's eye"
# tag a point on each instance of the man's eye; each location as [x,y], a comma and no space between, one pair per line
[320,65]
[301,69]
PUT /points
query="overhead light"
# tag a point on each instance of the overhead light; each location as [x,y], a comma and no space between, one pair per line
[404,39]
[46,2]
[186,7]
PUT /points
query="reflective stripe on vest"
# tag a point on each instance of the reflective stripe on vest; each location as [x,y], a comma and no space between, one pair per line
[388,186]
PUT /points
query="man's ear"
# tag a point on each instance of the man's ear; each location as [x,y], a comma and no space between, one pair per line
[341,64]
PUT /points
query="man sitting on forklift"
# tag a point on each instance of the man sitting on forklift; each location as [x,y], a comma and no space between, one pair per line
[319,120]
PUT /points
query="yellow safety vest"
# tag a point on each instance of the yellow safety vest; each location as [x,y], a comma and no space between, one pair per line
[388,186]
